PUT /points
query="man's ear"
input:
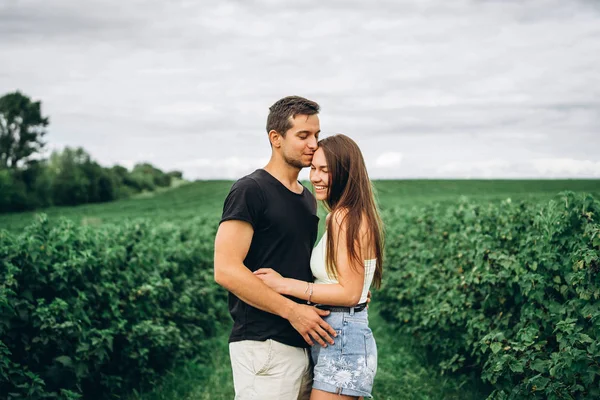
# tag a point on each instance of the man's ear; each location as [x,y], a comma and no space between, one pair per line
[275,138]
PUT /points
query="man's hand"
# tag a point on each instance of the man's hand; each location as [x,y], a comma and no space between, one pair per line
[308,322]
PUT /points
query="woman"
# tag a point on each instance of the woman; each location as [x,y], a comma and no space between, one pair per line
[345,262]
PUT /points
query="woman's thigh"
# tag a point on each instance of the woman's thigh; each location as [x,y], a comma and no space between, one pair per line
[321,395]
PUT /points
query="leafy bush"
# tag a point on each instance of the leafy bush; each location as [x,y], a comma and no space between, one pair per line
[151,174]
[513,290]
[96,312]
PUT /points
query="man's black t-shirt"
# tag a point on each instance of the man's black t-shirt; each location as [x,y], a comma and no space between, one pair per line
[285,229]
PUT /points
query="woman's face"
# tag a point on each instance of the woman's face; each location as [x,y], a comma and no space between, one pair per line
[319,175]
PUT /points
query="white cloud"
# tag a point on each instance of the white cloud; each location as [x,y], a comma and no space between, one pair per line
[228,167]
[541,168]
[186,109]
[129,164]
[389,160]
[475,169]
[558,167]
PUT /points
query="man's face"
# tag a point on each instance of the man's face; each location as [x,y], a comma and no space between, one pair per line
[300,142]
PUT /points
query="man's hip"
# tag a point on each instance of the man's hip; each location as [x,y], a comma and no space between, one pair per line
[270,370]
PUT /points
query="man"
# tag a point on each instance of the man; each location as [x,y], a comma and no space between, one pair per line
[269,221]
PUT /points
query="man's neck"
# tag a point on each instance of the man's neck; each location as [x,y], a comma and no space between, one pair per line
[284,173]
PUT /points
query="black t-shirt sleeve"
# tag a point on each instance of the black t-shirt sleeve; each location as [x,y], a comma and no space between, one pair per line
[244,202]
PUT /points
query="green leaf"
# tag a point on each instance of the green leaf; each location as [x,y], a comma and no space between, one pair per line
[496,347]
[517,365]
[64,360]
[539,381]
[585,338]
[540,365]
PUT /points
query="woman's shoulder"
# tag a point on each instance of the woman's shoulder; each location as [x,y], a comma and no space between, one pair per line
[327,218]
[338,215]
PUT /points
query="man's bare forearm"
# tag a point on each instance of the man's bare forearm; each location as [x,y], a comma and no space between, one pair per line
[241,282]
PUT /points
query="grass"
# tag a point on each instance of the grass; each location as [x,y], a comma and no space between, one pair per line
[181,203]
[404,373]
[409,193]
[206,198]
[200,379]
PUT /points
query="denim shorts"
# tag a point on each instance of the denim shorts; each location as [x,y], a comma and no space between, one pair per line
[348,367]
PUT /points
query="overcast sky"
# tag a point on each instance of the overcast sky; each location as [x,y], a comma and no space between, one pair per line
[428,88]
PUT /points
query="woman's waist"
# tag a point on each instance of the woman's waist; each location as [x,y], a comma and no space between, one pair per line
[350,310]
[338,318]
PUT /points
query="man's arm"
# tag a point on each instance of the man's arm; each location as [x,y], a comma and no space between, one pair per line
[231,247]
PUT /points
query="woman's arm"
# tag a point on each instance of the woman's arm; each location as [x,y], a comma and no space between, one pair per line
[346,292]
[335,294]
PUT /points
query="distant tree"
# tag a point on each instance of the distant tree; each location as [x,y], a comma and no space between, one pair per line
[120,171]
[120,176]
[21,129]
[140,181]
[38,181]
[175,174]
[13,193]
[71,185]
[78,179]
[151,173]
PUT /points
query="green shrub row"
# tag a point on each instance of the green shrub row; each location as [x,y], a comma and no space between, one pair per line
[511,290]
[70,177]
[97,312]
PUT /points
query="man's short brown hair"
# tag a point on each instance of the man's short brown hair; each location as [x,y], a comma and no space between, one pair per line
[290,106]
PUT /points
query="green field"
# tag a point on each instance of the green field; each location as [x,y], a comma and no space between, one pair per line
[205,198]
[406,371]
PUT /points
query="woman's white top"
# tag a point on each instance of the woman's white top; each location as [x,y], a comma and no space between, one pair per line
[319,270]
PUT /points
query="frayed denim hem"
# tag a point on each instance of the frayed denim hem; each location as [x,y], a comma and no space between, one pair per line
[329,388]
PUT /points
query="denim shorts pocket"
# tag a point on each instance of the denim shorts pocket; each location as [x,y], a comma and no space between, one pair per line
[353,342]
[337,341]
[332,349]
[371,352]
[357,320]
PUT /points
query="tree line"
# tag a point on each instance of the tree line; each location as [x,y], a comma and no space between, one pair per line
[68,177]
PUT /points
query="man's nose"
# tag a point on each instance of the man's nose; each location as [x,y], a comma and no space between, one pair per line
[312,143]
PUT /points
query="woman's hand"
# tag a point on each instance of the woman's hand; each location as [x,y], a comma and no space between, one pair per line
[272,279]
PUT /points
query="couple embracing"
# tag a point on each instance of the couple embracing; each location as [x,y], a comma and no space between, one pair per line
[300,325]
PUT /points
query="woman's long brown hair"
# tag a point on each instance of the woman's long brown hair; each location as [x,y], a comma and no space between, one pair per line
[350,191]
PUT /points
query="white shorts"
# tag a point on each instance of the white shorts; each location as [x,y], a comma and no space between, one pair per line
[270,370]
